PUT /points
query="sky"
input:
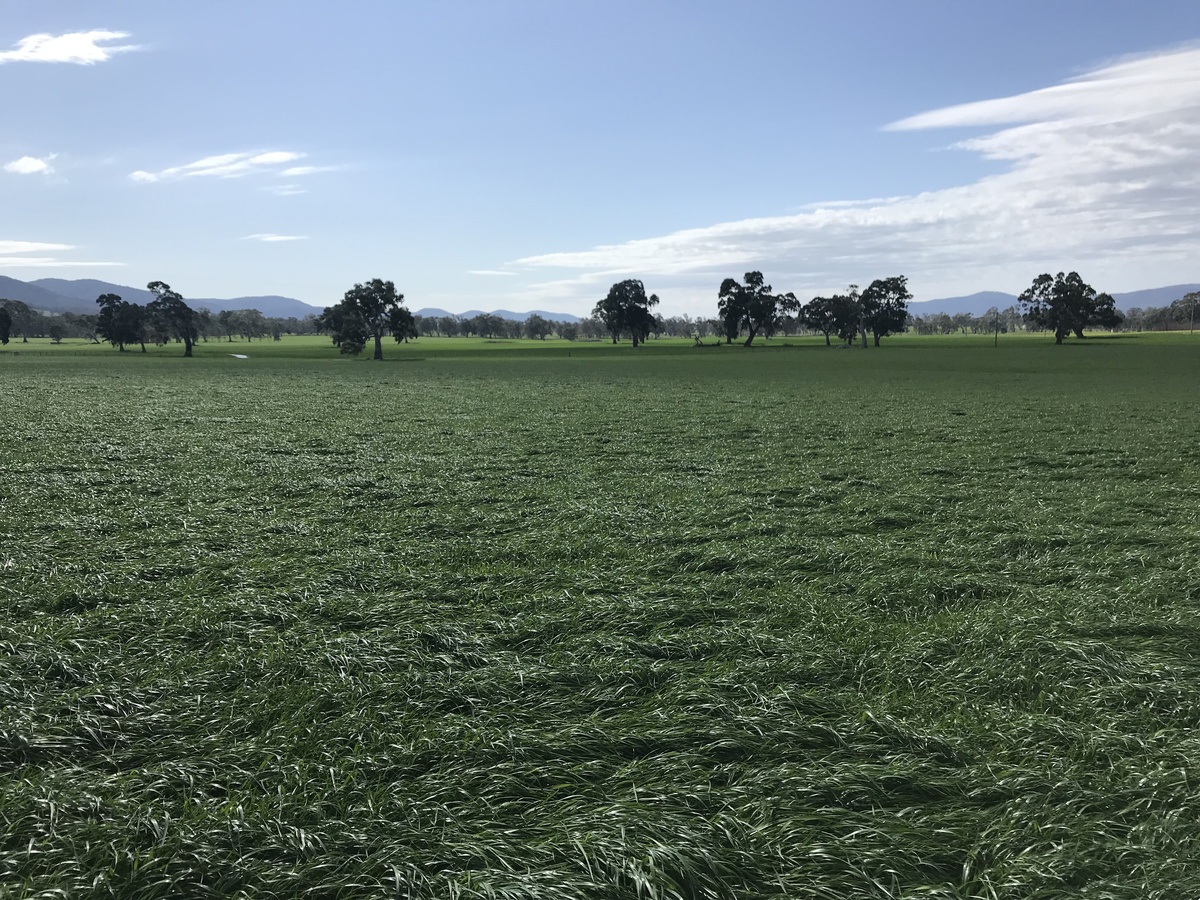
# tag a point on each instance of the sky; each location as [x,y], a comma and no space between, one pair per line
[529,154]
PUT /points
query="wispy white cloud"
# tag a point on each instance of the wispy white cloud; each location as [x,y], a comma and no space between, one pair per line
[50,262]
[300,171]
[226,165]
[79,47]
[490,272]
[15,255]
[1103,176]
[30,165]
[275,238]
[285,190]
[7,247]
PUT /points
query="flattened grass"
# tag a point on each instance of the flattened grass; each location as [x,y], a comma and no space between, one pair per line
[915,622]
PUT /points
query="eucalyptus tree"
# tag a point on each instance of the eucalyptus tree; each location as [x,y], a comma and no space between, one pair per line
[885,306]
[626,308]
[1066,304]
[121,322]
[23,319]
[841,314]
[536,327]
[818,314]
[752,306]
[179,318]
[366,311]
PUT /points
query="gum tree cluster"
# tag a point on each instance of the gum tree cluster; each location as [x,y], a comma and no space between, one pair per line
[753,308]
[626,310]
[1066,304]
[122,323]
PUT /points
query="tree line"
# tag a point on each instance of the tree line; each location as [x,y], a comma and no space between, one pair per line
[1062,304]
[129,324]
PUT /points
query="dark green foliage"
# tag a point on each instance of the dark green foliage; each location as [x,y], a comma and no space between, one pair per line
[5,325]
[23,320]
[787,624]
[176,317]
[626,310]
[248,324]
[401,323]
[538,328]
[1065,304]
[819,315]
[121,322]
[840,314]
[365,312]
[885,306]
[751,307]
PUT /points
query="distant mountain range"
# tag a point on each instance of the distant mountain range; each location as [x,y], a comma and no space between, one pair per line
[978,304]
[79,296]
[500,313]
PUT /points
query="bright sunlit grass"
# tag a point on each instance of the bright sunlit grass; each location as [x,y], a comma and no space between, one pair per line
[492,621]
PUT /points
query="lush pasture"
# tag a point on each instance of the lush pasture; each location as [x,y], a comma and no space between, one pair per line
[489,620]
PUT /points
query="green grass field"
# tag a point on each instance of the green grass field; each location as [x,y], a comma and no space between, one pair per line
[491,620]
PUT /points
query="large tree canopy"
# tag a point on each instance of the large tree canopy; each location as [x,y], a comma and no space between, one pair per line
[847,315]
[818,314]
[5,325]
[536,328]
[751,306]
[1066,304]
[367,311]
[22,319]
[178,318]
[627,309]
[121,322]
[885,306]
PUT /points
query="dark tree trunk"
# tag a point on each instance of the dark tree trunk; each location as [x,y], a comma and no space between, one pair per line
[187,346]
[378,346]
[876,338]
[827,344]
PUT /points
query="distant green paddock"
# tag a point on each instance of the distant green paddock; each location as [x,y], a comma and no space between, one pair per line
[563,619]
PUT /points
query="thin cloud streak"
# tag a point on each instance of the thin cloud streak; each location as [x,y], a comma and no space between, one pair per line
[79,47]
[285,190]
[226,165]
[48,262]
[301,171]
[10,261]
[275,238]
[1102,176]
[7,247]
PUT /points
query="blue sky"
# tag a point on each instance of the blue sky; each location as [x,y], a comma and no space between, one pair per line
[529,154]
